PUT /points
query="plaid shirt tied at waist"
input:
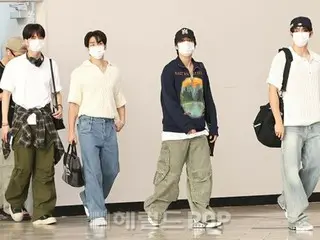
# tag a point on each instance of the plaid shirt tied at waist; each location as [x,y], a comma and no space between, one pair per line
[44,129]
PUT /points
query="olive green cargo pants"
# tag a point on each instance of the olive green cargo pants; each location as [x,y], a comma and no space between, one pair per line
[38,163]
[195,153]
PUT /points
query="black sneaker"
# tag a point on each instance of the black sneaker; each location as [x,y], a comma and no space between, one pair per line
[26,215]
[45,220]
[4,216]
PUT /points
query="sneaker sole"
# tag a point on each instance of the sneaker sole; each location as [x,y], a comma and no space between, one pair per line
[301,229]
[215,225]
[206,225]
[48,221]
[305,229]
[99,224]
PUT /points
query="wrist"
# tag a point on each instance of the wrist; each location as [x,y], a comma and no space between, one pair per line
[214,131]
[278,121]
[4,124]
[72,131]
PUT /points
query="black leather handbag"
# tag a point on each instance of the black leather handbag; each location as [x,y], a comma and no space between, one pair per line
[72,169]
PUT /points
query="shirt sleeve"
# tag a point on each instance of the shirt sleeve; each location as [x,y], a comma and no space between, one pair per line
[276,70]
[75,91]
[211,111]
[56,75]
[119,98]
[8,78]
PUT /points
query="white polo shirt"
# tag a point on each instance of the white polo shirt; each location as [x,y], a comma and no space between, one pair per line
[98,94]
[31,86]
[302,97]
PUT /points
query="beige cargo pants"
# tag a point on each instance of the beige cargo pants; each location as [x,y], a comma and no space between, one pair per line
[174,154]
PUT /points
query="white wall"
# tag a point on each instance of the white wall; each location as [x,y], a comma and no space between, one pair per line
[236,41]
[8,27]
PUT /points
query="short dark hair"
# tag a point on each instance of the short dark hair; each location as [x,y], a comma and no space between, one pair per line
[98,35]
[33,29]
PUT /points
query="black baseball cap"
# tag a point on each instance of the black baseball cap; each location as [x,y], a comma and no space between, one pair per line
[301,22]
[184,33]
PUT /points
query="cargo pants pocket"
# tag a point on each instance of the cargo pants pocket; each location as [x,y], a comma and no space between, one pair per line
[200,185]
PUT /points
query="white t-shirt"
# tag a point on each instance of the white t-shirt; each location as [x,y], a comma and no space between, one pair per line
[302,96]
[98,94]
[173,136]
[31,86]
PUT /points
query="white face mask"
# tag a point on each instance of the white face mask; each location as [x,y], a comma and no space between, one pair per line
[36,45]
[300,38]
[97,52]
[185,48]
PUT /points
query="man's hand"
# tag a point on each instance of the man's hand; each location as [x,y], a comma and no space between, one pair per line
[58,113]
[72,138]
[4,132]
[212,138]
[192,131]
[279,130]
[119,125]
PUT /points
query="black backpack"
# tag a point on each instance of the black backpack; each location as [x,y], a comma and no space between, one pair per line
[264,122]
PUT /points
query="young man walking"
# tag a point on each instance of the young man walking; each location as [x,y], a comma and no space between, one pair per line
[36,143]
[96,98]
[187,106]
[13,48]
[299,129]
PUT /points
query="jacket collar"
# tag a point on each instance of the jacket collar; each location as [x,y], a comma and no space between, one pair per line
[196,65]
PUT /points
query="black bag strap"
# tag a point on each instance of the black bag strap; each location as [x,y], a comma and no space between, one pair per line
[54,86]
[73,149]
[287,66]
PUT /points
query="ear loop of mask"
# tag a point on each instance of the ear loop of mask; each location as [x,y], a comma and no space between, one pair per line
[12,52]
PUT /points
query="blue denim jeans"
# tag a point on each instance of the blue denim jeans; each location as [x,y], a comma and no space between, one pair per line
[100,157]
[300,169]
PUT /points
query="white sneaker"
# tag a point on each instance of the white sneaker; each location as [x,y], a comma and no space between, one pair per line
[153,222]
[45,220]
[207,224]
[213,224]
[86,211]
[16,214]
[98,222]
[301,226]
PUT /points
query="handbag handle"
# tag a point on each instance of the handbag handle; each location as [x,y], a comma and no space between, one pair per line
[53,85]
[73,149]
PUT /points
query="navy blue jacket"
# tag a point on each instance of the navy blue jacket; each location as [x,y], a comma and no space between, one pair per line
[187,102]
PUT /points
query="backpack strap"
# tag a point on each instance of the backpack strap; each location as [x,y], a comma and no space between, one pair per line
[289,59]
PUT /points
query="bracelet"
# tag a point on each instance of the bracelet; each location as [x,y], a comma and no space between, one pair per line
[5,124]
